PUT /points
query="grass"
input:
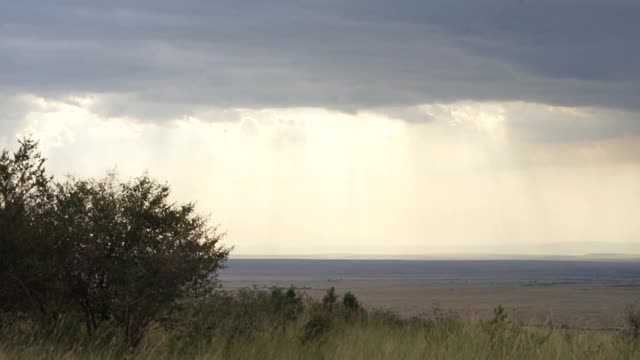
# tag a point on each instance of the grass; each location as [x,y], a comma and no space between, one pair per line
[256,324]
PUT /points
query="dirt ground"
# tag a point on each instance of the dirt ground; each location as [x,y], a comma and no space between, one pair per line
[588,302]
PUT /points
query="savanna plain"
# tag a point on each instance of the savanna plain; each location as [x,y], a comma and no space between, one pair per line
[383,309]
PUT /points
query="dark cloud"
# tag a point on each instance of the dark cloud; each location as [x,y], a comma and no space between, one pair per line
[172,57]
[580,39]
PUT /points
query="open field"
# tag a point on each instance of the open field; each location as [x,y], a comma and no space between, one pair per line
[578,294]
[277,324]
[354,341]
[250,323]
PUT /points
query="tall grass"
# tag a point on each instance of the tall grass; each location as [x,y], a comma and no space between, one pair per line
[254,324]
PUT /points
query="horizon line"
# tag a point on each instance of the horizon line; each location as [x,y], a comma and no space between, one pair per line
[439,256]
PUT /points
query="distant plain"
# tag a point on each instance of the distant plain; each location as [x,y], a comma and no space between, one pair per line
[572,293]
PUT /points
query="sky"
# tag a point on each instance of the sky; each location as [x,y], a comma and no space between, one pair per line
[358,127]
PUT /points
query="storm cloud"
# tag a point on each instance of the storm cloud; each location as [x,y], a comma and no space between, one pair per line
[337,54]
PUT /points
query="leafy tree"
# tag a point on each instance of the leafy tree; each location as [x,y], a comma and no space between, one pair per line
[136,254]
[28,281]
[112,251]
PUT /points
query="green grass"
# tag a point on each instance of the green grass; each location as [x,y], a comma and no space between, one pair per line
[261,325]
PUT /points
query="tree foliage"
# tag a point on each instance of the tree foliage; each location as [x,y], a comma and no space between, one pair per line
[110,251]
[350,302]
[25,265]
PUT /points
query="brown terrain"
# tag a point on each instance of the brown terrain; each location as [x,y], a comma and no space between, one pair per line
[586,295]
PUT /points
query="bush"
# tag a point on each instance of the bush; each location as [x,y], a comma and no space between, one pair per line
[286,305]
[383,317]
[350,302]
[497,327]
[330,298]
[316,327]
[633,322]
[500,316]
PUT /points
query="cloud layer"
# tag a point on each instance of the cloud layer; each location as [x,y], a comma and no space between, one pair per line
[169,58]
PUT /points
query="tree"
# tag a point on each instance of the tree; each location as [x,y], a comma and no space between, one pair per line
[136,254]
[28,282]
[115,252]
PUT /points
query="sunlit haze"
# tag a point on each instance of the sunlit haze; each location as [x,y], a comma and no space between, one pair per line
[356,135]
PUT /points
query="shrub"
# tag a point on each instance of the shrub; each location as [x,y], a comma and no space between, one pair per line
[633,322]
[330,298]
[383,317]
[499,316]
[316,327]
[350,302]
